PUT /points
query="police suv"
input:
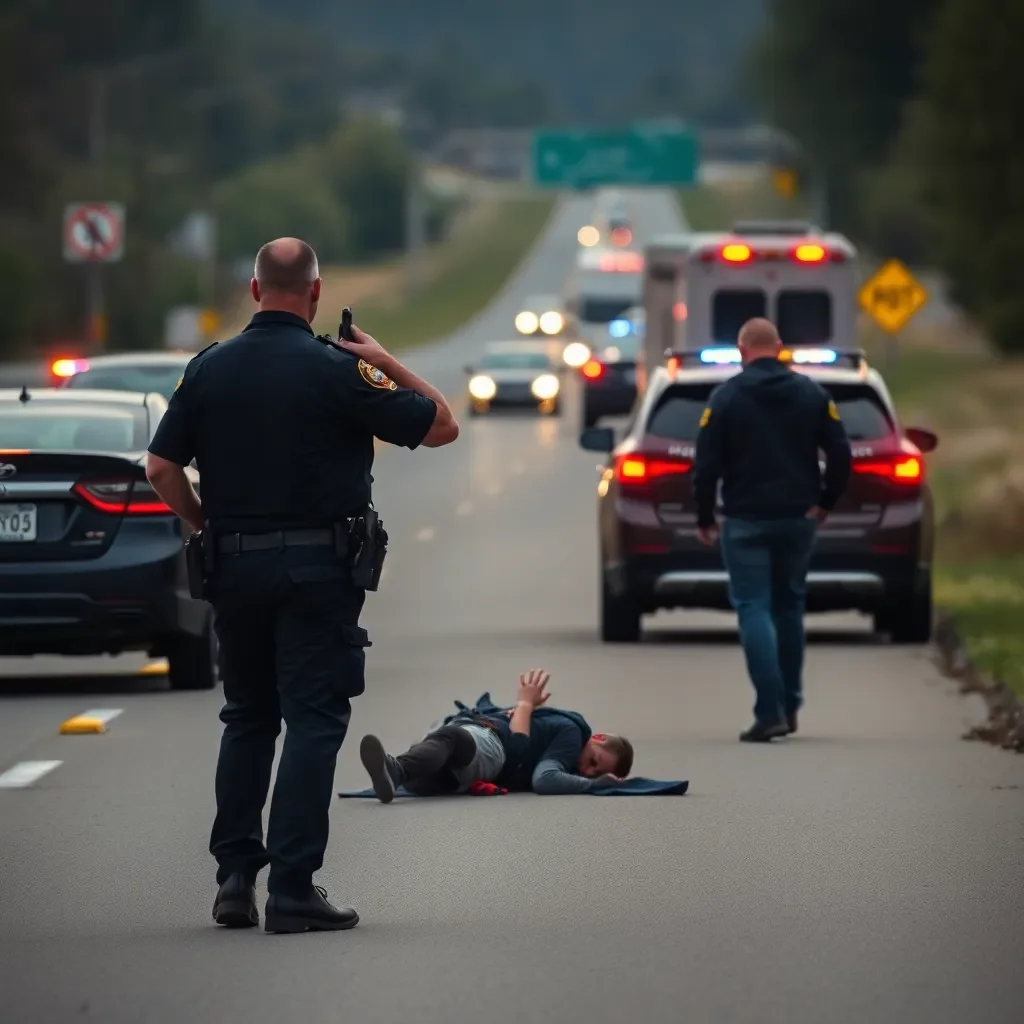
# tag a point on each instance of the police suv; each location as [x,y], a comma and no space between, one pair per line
[873,554]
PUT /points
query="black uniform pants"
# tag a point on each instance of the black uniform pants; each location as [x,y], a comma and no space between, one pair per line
[291,648]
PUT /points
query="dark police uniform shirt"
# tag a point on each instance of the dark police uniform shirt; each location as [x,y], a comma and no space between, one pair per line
[281,427]
[760,435]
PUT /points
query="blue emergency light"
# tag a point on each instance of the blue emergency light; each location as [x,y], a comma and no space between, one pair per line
[804,356]
[620,328]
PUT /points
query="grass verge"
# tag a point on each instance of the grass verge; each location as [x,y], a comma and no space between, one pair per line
[716,207]
[464,276]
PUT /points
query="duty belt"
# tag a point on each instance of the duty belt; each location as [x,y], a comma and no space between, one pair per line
[235,543]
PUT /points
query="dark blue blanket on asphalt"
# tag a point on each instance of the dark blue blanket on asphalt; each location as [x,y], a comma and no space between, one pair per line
[630,787]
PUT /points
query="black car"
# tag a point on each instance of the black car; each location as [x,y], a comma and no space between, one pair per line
[608,377]
[143,372]
[91,560]
[873,554]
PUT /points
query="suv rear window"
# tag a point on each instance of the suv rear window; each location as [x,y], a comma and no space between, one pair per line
[677,415]
[731,308]
[862,412]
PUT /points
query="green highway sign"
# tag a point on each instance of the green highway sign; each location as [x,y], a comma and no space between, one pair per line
[633,156]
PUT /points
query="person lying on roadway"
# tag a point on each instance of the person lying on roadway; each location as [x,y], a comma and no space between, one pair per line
[528,747]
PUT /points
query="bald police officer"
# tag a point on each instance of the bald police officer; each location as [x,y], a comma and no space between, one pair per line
[281,426]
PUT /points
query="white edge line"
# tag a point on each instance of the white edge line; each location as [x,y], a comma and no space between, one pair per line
[105,715]
[25,773]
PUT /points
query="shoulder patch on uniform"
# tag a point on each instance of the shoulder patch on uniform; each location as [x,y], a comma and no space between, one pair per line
[833,411]
[705,416]
[376,378]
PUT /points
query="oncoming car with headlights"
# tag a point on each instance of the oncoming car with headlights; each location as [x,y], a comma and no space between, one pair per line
[542,315]
[873,554]
[513,374]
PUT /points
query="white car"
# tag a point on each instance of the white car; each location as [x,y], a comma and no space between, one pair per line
[513,374]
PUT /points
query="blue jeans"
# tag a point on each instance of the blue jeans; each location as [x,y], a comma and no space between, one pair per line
[767,560]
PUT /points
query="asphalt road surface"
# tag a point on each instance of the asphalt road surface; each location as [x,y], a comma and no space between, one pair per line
[869,869]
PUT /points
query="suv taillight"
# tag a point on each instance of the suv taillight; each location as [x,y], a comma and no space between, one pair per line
[122,497]
[639,468]
[900,469]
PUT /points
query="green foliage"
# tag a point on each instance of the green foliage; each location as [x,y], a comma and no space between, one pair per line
[975,168]
[837,74]
[286,196]
[366,167]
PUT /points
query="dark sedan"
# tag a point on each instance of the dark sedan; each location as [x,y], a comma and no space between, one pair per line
[91,560]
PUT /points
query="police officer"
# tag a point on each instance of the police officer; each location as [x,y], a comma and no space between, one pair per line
[281,425]
[760,436]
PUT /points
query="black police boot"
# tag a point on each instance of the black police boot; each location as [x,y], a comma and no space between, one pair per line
[287,915]
[235,904]
[764,732]
[383,769]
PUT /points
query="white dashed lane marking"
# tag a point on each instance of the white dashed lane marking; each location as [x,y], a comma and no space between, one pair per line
[427,533]
[464,508]
[25,773]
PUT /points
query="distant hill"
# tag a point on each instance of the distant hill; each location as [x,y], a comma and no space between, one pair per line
[594,56]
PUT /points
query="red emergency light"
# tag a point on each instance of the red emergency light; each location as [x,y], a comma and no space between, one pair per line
[741,253]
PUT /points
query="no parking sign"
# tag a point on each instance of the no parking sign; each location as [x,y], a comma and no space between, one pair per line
[93,232]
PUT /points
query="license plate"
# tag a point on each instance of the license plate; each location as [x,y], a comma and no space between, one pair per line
[17,523]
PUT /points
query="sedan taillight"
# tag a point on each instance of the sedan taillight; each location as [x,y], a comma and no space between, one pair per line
[122,497]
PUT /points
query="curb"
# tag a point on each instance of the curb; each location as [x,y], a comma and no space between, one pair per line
[1005,726]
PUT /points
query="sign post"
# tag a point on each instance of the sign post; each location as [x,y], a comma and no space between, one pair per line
[589,158]
[891,296]
[94,234]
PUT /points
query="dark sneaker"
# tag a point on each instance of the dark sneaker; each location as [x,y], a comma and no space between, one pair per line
[381,767]
[235,904]
[764,732]
[287,916]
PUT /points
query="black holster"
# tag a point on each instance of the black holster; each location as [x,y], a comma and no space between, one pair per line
[368,549]
[199,563]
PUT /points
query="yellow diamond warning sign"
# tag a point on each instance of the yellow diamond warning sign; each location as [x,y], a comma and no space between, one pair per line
[891,296]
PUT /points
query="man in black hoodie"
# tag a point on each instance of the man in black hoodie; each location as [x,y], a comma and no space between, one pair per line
[521,748]
[760,436]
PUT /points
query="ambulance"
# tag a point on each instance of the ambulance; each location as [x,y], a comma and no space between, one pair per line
[699,288]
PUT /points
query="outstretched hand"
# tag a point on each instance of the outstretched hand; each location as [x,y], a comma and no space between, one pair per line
[532,688]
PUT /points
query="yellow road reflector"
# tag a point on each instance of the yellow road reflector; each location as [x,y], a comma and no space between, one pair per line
[83,725]
[154,668]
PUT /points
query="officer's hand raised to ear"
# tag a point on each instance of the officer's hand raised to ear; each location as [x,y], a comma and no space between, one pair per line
[366,347]
[444,429]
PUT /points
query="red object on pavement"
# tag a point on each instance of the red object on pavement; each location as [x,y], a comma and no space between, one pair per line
[486,789]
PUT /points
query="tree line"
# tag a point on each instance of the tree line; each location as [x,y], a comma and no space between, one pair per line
[912,112]
[171,109]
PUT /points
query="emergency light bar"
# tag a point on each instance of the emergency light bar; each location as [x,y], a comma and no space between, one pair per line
[803,356]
